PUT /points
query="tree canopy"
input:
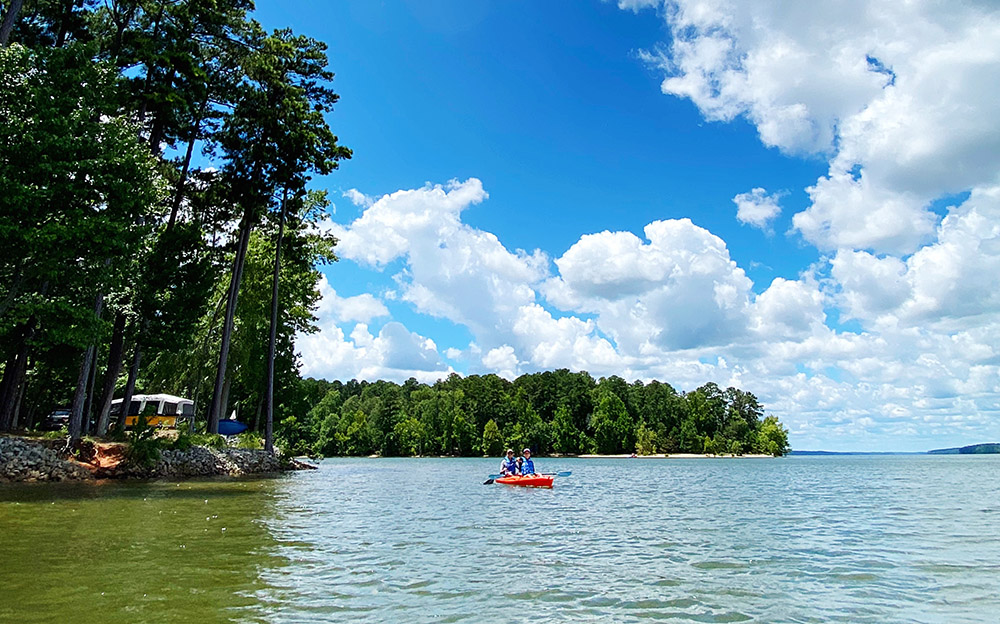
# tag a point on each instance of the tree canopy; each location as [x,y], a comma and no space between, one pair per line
[483,415]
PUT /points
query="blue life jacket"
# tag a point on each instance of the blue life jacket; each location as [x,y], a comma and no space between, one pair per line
[528,467]
[509,466]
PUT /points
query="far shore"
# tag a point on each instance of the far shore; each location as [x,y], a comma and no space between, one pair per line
[671,456]
[622,456]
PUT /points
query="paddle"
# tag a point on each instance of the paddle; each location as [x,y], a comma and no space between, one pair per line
[489,480]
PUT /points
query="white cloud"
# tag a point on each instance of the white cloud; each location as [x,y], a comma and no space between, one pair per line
[395,354]
[681,290]
[452,271]
[674,306]
[954,282]
[502,361]
[789,310]
[757,208]
[358,198]
[637,5]
[902,97]
[363,307]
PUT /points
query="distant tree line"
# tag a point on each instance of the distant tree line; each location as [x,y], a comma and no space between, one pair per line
[156,229]
[550,412]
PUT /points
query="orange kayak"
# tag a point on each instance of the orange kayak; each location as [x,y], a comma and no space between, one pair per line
[539,481]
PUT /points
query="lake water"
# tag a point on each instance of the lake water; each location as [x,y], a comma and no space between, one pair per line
[800,539]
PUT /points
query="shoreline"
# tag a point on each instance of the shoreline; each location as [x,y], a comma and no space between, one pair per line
[671,456]
[29,460]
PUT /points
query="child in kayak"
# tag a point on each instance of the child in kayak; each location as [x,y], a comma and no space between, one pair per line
[528,466]
[508,465]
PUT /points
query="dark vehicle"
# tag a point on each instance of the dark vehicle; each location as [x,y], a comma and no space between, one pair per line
[56,420]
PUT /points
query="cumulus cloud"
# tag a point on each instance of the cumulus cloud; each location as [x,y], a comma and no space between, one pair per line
[757,208]
[955,281]
[674,306]
[450,270]
[363,308]
[902,97]
[395,354]
[678,291]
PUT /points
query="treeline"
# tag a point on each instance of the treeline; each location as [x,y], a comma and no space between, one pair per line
[156,225]
[551,412]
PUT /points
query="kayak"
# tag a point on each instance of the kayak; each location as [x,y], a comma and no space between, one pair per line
[539,481]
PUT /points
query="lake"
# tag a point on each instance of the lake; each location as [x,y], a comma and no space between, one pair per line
[909,538]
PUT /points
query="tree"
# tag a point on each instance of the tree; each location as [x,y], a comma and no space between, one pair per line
[645,440]
[566,437]
[492,440]
[275,138]
[409,437]
[74,186]
[612,425]
[772,438]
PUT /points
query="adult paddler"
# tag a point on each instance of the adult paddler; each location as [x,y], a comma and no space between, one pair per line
[508,465]
[528,467]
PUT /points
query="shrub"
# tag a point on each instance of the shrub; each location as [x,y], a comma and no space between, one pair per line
[249,440]
[144,447]
[210,440]
[55,435]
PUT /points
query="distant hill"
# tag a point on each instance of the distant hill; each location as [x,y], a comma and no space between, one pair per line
[972,449]
[793,452]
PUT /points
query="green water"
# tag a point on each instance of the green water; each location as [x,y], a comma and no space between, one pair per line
[800,539]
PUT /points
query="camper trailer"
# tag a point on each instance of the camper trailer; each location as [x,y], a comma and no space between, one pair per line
[160,410]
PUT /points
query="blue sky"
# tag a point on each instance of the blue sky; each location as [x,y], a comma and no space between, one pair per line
[540,185]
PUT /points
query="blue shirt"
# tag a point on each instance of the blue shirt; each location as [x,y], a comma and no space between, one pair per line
[528,467]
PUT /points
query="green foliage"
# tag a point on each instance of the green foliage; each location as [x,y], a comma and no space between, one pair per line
[209,440]
[143,445]
[492,440]
[409,437]
[249,440]
[645,440]
[772,438]
[183,441]
[361,418]
[62,432]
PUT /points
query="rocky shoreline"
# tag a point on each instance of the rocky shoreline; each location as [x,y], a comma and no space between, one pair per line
[23,460]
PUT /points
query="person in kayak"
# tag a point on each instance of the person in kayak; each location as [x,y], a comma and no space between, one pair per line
[528,467]
[508,465]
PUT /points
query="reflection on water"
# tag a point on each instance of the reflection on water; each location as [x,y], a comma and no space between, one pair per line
[801,539]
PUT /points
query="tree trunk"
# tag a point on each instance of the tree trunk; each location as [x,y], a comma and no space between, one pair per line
[115,356]
[22,388]
[79,397]
[186,165]
[133,372]
[88,406]
[63,23]
[9,20]
[272,338]
[13,375]
[215,413]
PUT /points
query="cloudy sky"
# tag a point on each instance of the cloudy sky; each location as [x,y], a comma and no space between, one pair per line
[798,199]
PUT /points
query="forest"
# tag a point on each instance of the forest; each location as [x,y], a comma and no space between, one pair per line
[158,233]
[551,412]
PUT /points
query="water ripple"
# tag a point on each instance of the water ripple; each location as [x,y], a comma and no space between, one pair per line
[860,540]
